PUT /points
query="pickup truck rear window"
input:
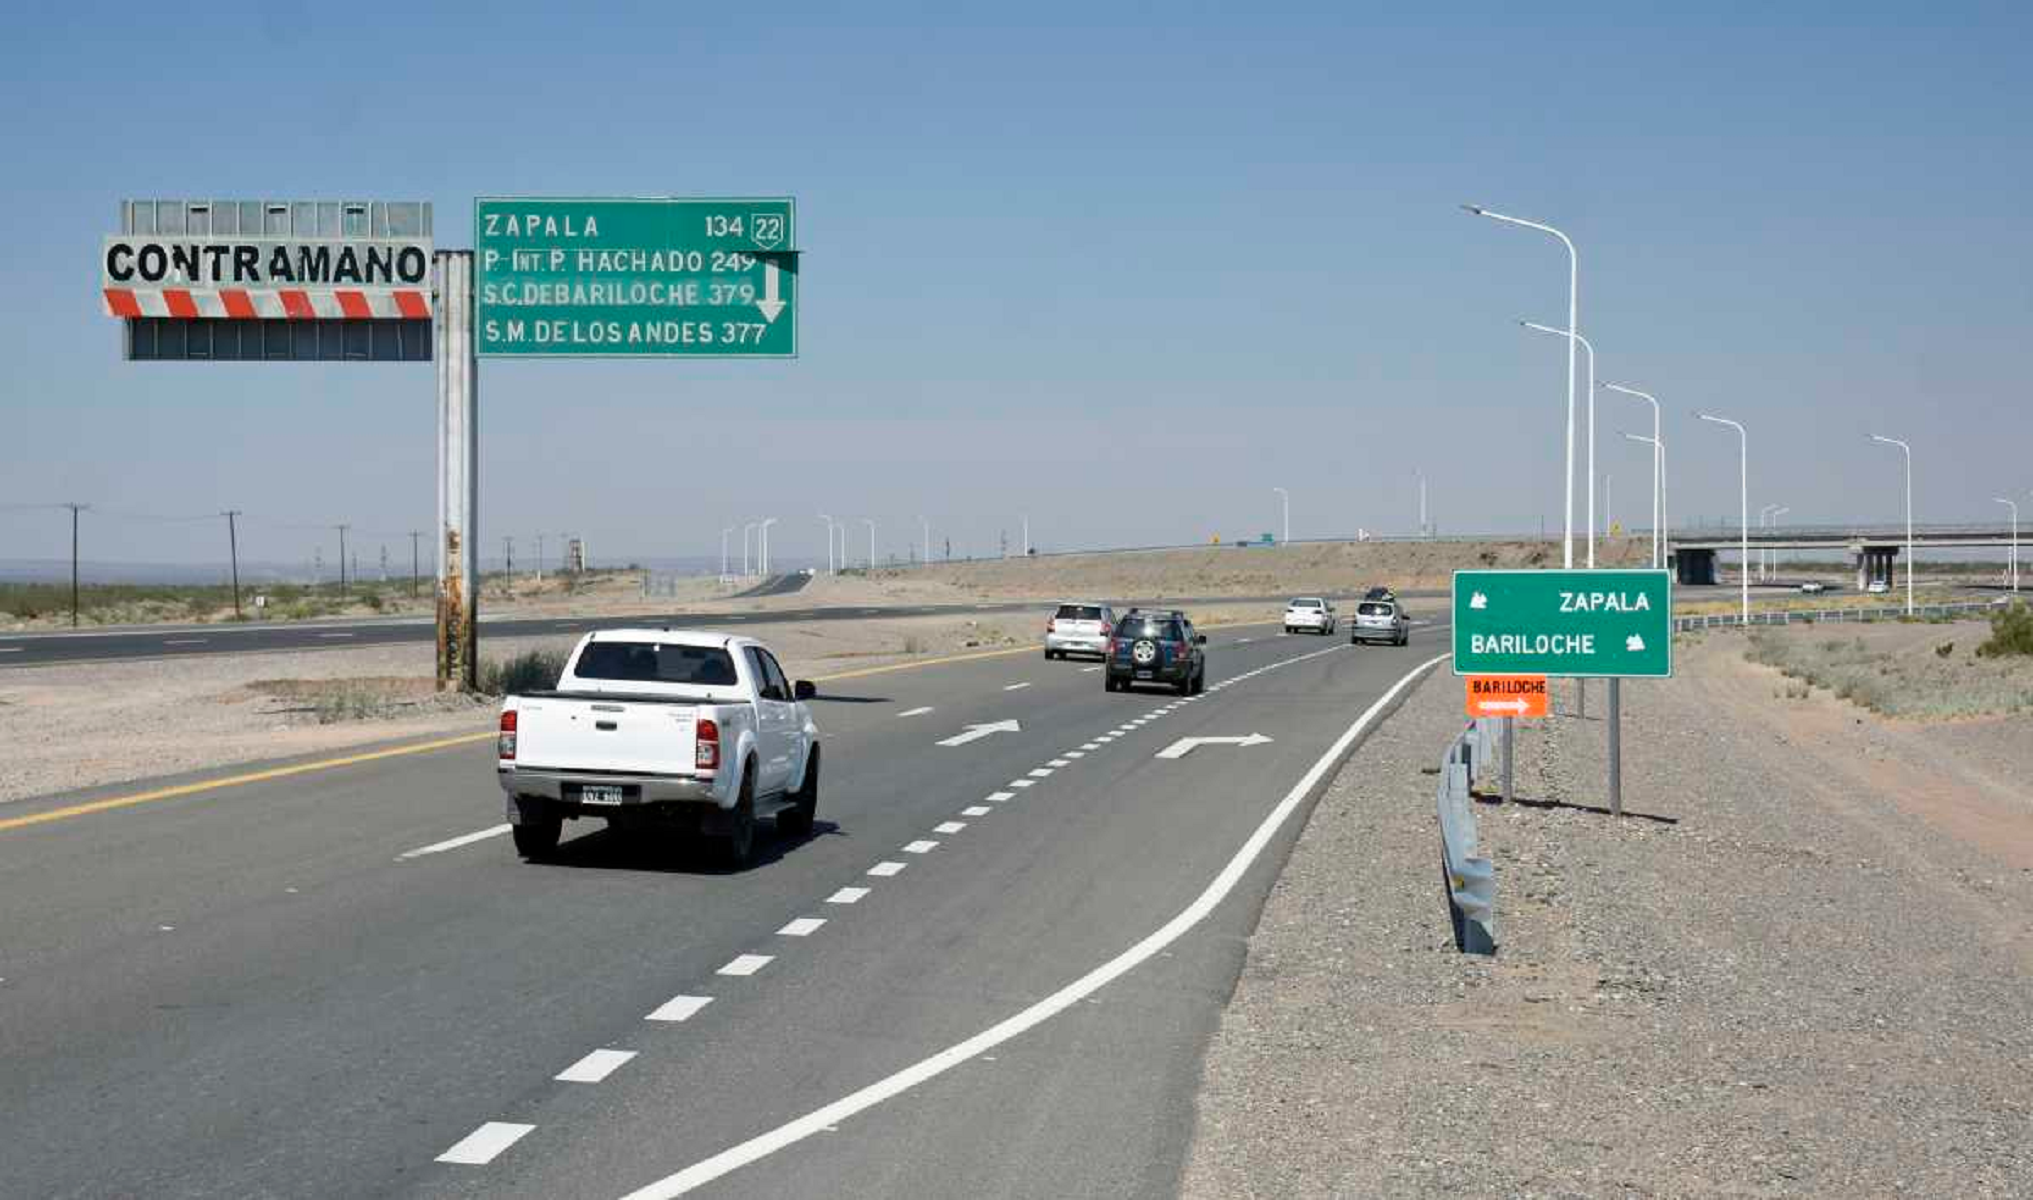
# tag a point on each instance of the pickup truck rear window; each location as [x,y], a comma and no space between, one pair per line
[650,662]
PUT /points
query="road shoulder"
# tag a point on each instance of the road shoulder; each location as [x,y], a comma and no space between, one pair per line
[1776,980]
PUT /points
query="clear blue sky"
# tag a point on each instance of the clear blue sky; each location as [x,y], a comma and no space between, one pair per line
[1123,269]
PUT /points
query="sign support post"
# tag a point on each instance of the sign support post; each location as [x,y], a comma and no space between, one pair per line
[1510,751]
[458,475]
[1616,747]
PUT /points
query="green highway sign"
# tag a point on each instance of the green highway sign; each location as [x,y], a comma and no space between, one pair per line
[647,278]
[1565,623]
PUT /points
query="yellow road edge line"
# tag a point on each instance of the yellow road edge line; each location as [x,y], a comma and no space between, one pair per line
[188,789]
[465,739]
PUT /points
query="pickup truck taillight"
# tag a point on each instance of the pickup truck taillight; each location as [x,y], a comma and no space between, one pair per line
[707,735]
[506,744]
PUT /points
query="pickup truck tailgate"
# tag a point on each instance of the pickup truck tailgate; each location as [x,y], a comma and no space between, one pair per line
[622,736]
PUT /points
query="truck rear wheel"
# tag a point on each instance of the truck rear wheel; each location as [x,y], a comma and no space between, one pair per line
[536,838]
[738,843]
[796,821]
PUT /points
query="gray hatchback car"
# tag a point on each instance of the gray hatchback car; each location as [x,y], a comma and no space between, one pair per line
[1380,621]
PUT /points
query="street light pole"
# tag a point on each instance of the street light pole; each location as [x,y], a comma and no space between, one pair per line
[723,550]
[1573,322]
[2015,539]
[870,522]
[1573,338]
[1909,514]
[233,547]
[1658,473]
[1027,536]
[1764,553]
[927,524]
[1744,502]
[1285,502]
[829,543]
[762,536]
[1422,502]
[747,532]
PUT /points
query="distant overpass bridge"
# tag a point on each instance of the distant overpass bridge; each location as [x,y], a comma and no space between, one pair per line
[1875,548]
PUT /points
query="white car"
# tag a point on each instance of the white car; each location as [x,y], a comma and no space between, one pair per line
[1312,614]
[1878,587]
[1079,627]
[662,729]
[1813,588]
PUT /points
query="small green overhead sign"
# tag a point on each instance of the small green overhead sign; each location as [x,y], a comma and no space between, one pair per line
[1564,623]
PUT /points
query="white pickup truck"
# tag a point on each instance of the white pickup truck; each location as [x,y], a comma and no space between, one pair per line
[662,729]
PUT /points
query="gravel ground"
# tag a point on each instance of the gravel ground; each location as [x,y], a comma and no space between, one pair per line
[1776,981]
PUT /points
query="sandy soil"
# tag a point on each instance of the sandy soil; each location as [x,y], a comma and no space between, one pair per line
[1800,967]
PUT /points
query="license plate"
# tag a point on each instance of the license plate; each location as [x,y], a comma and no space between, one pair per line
[599,793]
[1145,674]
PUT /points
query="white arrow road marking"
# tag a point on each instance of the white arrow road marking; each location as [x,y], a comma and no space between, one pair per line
[479,1147]
[1185,746]
[595,1066]
[769,304]
[916,712]
[976,732]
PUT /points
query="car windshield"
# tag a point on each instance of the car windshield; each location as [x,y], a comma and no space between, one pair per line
[651,662]
[1375,610]
[1079,612]
[1162,628]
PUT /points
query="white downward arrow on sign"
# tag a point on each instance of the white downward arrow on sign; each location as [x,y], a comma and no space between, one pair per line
[976,732]
[1185,746]
[769,304]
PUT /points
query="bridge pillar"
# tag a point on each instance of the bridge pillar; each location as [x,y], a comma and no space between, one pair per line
[1696,567]
[1876,564]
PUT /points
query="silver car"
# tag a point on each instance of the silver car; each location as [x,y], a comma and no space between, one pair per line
[1380,621]
[1079,627]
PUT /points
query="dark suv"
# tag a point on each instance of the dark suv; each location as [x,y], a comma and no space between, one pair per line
[1156,647]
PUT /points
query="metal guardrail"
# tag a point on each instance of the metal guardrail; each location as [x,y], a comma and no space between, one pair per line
[1825,616]
[1470,879]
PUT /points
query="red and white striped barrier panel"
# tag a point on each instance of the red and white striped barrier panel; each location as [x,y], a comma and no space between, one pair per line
[282,304]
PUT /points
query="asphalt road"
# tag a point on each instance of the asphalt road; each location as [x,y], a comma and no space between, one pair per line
[251,991]
[172,641]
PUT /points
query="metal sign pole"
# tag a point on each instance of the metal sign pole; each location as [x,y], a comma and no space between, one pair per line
[1510,752]
[458,474]
[1616,748]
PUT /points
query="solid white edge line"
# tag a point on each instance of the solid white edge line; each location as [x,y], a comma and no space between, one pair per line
[594,1067]
[740,1155]
[679,1008]
[480,1147]
[468,839]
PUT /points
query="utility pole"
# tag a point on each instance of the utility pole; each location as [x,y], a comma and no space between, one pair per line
[539,558]
[508,558]
[342,556]
[416,560]
[75,510]
[233,547]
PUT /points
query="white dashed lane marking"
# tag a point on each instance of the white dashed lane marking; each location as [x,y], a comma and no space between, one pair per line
[746,964]
[480,1147]
[595,1066]
[1041,773]
[1022,783]
[883,870]
[975,810]
[848,895]
[916,712]
[949,827]
[921,846]
[680,1008]
[1059,762]
[1089,670]
[1016,687]
[468,839]
[999,797]
[802,927]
